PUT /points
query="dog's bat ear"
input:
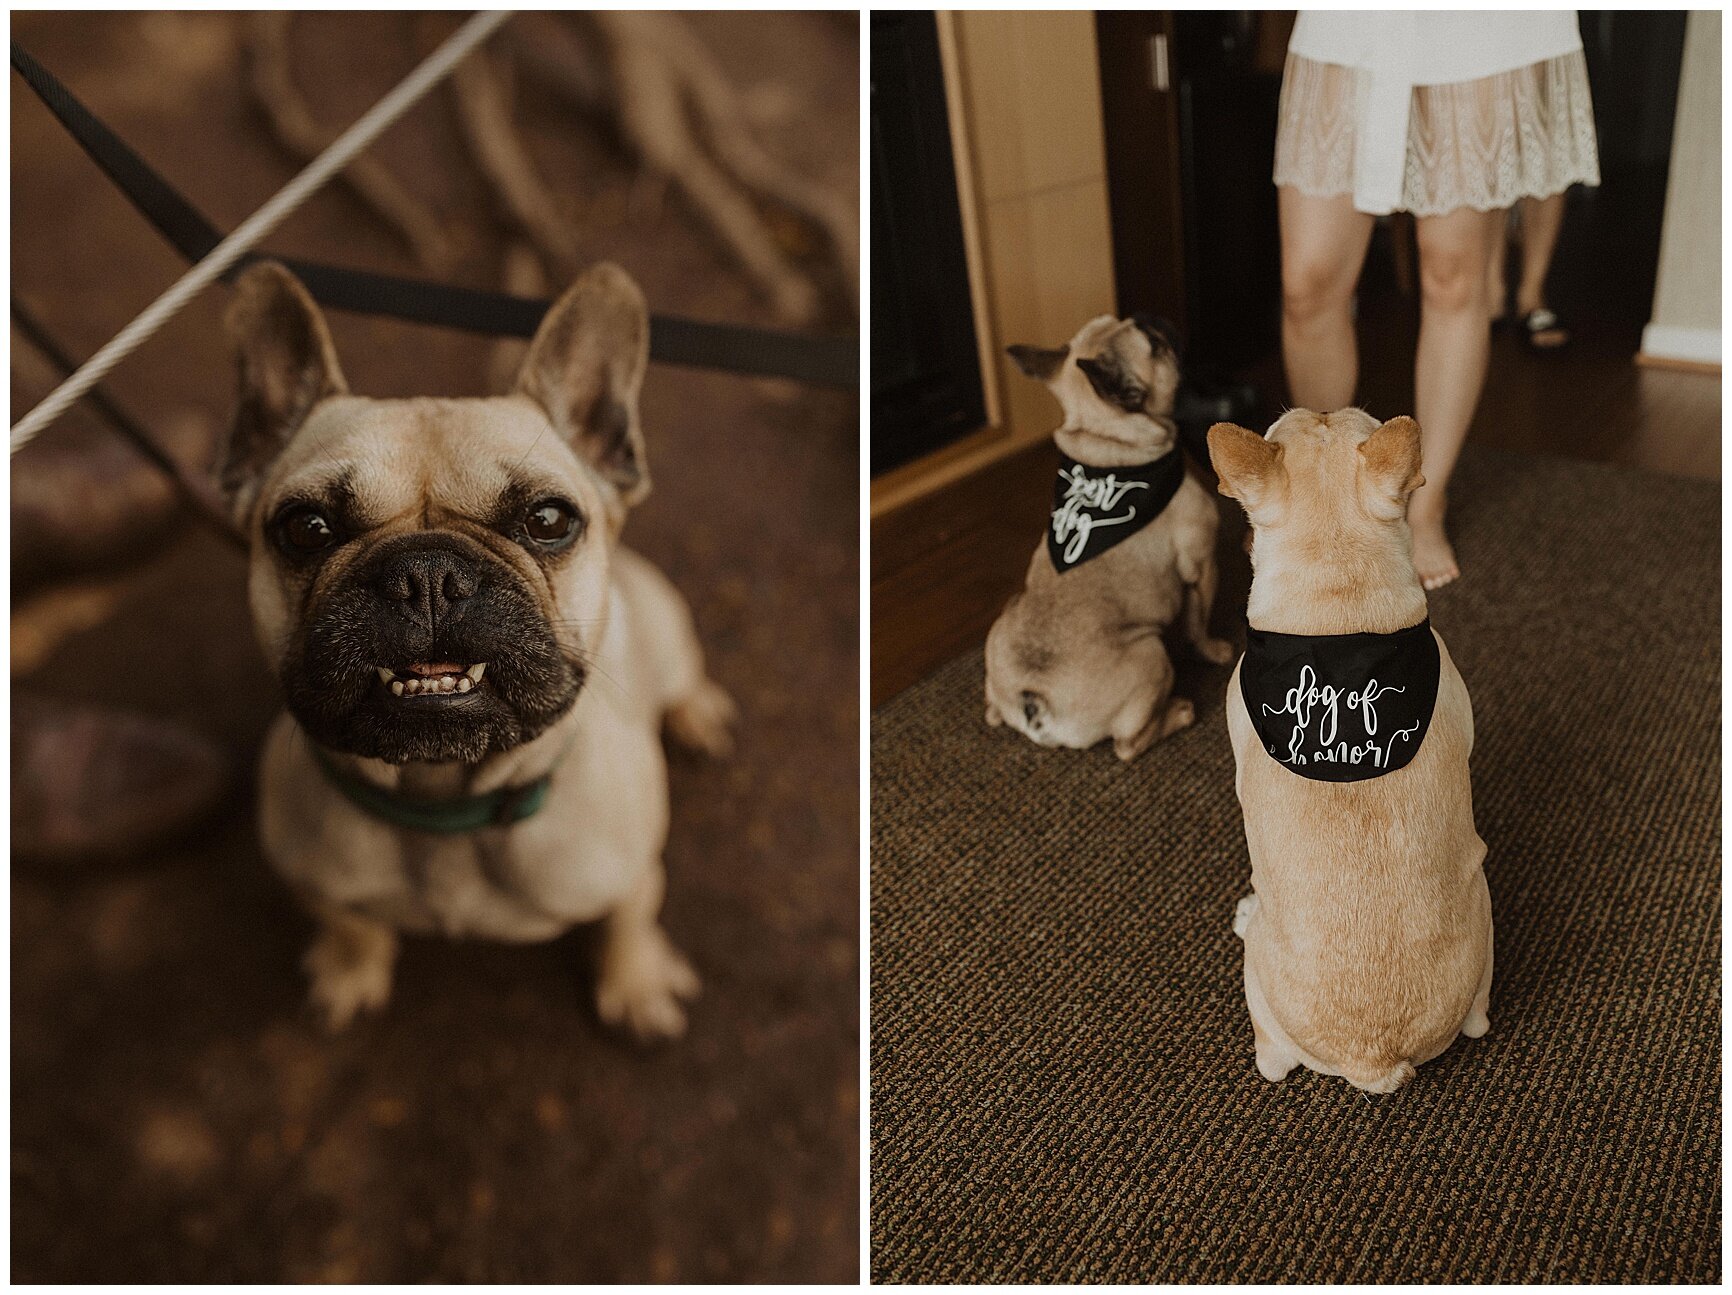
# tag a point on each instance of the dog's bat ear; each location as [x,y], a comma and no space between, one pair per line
[585,368]
[287,366]
[1159,331]
[1038,362]
[1114,383]
[1249,467]
[1389,468]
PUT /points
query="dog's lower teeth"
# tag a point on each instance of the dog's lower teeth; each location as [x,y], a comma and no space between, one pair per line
[444,683]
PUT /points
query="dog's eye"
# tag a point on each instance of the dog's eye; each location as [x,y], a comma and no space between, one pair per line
[306,530]
[550,521]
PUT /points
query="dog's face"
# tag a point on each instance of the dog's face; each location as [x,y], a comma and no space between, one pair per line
[429,577]
[1321,488]
[1116,379]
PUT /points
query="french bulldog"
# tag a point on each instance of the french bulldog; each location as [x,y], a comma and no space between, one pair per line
[476,671]
[1368,932]
[1077,656]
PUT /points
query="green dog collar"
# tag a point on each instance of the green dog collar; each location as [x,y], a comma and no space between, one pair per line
[502,808]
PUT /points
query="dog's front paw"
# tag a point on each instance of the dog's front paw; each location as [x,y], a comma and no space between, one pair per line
[642,986]
[704,720]
[347,977]
[1215,651]
[1242,915]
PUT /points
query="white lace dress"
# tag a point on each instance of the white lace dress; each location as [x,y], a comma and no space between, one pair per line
[1425,111]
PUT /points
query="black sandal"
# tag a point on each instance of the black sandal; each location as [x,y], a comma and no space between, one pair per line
[1544,320]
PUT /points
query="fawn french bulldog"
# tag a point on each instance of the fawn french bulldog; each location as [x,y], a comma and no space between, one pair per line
[476,672]
[1368,932]
[1077,656]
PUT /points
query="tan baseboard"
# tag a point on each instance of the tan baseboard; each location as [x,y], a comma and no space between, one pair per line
[1704,367]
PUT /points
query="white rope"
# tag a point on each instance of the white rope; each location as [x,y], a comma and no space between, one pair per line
[260,223]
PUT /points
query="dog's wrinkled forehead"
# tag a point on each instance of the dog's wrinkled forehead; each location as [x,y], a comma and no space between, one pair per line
[394,457]
[1298,428]
[1123,361]
[1097,336]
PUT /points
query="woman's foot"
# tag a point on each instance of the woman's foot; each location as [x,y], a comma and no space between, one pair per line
[1433,557]
[1544,330]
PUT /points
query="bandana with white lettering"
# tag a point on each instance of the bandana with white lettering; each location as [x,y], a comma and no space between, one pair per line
[1341,707]
[1096,508]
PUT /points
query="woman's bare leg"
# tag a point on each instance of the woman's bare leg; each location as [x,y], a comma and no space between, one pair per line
[1450,370]
[1542,219]
[1497,261]
[1323,242]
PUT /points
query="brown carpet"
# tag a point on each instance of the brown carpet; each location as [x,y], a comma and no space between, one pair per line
[1062,1079]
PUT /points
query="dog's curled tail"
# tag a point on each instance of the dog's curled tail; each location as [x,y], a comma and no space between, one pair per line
[1381,1080]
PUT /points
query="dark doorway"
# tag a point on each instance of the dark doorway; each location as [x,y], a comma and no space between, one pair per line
[926,387]
[1202,147]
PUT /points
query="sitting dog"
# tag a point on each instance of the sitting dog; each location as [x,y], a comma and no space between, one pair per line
[1077,656]
[1368,939]
[475,671]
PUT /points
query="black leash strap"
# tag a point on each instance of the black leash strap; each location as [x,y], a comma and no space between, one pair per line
[760,352]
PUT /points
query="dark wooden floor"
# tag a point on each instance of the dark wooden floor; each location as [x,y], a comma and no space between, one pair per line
[943,568]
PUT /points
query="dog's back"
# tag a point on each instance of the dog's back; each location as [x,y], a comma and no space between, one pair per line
[1077,656]
[1368,935]
[1373,925]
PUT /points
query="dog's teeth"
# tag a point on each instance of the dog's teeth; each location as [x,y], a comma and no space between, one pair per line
[425,684]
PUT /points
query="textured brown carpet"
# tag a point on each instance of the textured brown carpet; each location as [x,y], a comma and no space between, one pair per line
[1062,1080]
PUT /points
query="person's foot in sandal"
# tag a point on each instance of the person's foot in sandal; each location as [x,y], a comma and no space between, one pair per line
[1543,329]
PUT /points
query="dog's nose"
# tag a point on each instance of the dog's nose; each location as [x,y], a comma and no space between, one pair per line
[428,584]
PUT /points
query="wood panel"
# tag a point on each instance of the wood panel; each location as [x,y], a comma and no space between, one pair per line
[943,567]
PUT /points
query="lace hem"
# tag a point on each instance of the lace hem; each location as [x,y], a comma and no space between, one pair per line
[1484,144]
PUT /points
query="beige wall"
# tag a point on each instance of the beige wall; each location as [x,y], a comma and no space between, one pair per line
[1024,97]
[1686,317]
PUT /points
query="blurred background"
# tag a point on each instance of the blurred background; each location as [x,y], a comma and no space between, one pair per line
[174,1116]
[1033,170]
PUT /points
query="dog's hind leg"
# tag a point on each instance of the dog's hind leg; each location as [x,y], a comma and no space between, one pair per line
[349,965]
[703,719]
[1276,1055]
[698,712]
[1199,602]
[1478,1019]
[1153,713]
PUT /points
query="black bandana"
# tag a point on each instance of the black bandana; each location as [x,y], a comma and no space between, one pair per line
[1096,508]
[1341,707]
